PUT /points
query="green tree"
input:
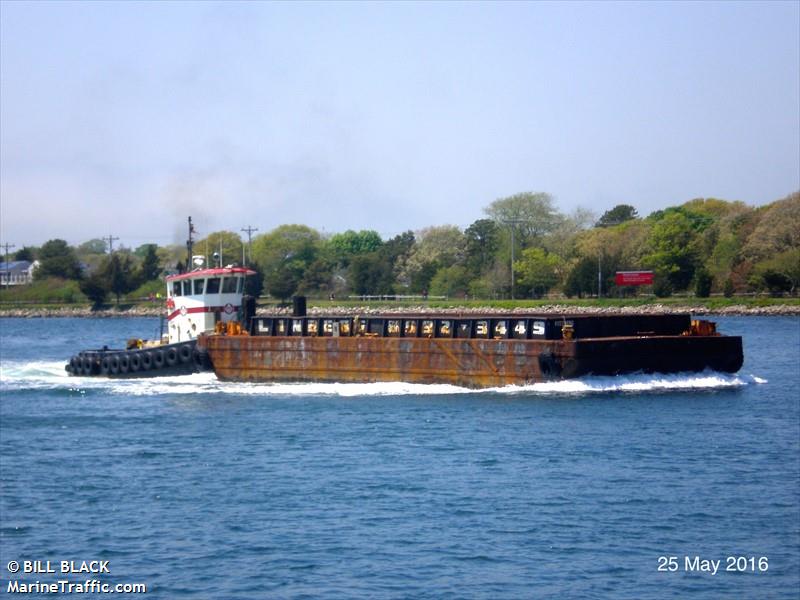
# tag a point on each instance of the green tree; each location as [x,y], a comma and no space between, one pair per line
[582,278]
[532,215]
[482,240]
[344,246]
[702,283]
[58,259]
[285,253]
[436,247]
[150,268]
[226,244]
[538,270]
[619,214]
[95,287]
[26,253]
[777,231]
[93,246]
[120,274]
[450,281]
[672,249]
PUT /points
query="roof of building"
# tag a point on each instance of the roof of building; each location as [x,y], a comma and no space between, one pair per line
[15,266]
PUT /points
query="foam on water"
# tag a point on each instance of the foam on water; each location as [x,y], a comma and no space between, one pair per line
[51,375]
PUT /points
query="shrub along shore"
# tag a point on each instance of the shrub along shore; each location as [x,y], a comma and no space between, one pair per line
[696,306]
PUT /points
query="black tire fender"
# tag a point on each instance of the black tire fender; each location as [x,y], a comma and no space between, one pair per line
[113,364]
[124,363]
[147,360]
[105,365]
[135,362]
[87,365]
[171,357]
[158,359]
[185,353]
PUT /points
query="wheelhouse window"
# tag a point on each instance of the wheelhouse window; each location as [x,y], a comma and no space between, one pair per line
[198,286]
[229,285]
[187,287]
[212,287]
[177,290]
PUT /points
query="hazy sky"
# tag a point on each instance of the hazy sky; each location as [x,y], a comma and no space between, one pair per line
[124,118]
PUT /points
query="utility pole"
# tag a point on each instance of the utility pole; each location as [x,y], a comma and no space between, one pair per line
[599,274]
[8,270]
[249,231]
[189,244]
[512,223]
[110,240]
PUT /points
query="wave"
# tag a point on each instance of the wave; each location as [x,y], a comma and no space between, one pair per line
[51,375]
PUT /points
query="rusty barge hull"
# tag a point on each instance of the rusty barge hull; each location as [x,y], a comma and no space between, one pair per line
[474,363]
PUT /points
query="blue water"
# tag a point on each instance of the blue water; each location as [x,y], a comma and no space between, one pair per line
[203,489]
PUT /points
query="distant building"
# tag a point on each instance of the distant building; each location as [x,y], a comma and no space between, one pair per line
[17,272]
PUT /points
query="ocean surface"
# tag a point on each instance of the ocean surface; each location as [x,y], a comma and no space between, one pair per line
[581,489]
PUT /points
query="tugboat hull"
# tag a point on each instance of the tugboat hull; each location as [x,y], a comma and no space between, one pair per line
[161,361]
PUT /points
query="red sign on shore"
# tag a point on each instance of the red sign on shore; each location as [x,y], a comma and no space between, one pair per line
[634,278]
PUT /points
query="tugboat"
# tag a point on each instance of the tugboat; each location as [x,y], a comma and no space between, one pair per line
[201,301]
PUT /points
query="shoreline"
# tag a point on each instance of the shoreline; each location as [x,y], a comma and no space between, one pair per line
[735,310]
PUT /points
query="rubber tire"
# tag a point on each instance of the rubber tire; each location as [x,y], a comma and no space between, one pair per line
[147,361]
[185,354]
[135,362]
[158,359]
[86,366]
[171,357]
[113,364]
[124,363]
[105,365]
[75,365]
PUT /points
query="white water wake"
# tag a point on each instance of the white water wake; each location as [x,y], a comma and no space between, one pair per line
[51,375]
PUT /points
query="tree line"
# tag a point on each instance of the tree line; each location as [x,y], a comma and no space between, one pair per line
[703,246]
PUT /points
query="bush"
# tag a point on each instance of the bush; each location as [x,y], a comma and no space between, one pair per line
[702,283]
[662,288]
[727,289]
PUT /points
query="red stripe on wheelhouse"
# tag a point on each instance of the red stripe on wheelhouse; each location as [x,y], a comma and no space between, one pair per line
[200,309]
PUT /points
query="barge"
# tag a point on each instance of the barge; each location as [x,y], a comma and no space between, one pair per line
[475,351]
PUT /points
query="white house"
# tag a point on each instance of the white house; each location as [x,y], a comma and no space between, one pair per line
[17,272]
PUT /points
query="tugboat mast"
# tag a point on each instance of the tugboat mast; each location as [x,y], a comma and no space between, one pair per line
[189,244]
